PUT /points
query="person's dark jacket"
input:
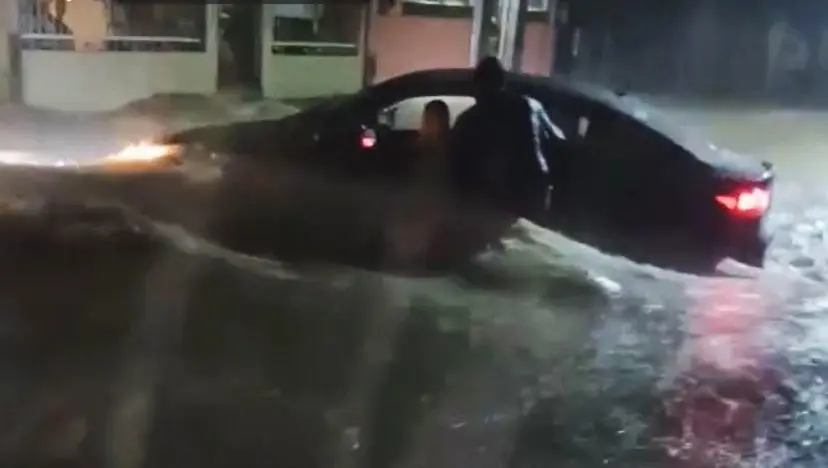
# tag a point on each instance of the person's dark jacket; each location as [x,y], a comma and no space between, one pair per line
[498,153]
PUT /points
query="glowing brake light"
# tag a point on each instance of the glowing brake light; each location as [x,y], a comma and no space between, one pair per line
[368,139]
[749,202]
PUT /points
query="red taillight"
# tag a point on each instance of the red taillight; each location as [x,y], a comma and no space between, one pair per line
[750,202]
[368,138]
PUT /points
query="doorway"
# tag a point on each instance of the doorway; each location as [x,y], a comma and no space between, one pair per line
[486,32]
[498,28]
[567,36]
[240,47]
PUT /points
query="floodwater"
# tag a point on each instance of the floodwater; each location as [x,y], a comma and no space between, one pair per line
[147,345]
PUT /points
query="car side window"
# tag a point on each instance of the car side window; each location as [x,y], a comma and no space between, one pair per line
[627,140]
[405,115]
[611,133]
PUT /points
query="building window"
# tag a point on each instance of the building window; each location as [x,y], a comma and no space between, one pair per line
[438,8]
[315,29]
[534,5]
[112,25]
[448,3]
[461,8]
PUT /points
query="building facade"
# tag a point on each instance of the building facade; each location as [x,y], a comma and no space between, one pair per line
[98,55]
[416,34]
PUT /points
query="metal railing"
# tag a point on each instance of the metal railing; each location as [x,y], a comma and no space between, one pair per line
[111,25]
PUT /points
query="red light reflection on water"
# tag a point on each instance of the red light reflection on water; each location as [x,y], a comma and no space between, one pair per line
[721,393]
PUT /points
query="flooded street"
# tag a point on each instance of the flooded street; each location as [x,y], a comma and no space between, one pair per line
[161,349]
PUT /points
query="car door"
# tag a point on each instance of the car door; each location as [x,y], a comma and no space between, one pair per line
[630,197]
[570,161]
[358,140]
[335,139]
[615,192]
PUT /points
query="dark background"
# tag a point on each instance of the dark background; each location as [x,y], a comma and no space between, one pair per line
[701,47]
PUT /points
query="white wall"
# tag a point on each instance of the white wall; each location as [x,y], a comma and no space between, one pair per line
[8,25]
[286,76]
[101,81]
[104,80]
[296,76]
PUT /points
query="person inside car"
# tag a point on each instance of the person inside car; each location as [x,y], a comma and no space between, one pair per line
[499,165]
[418,214]
[432,144]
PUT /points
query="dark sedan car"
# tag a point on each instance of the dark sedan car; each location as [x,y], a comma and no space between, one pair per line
[625,180]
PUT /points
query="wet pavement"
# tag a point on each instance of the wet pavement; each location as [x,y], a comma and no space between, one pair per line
[146,345]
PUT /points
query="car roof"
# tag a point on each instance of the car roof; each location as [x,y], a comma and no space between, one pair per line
[446,81]
[458,81]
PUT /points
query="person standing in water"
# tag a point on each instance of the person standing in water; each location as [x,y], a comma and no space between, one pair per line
[499,157]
